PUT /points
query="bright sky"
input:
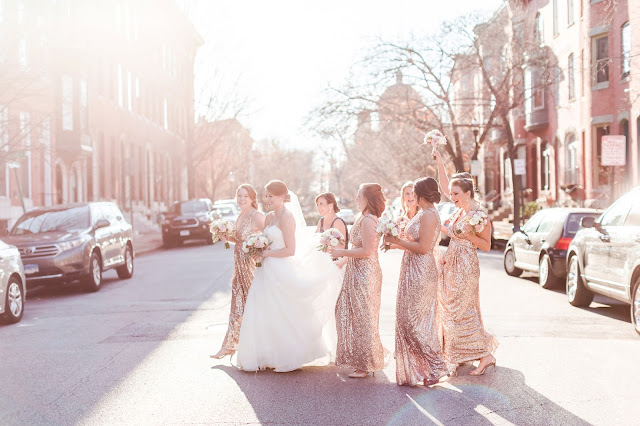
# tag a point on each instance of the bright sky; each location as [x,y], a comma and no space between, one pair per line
[282,54]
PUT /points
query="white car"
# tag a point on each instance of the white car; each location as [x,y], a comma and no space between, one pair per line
[445,210]
[12,284]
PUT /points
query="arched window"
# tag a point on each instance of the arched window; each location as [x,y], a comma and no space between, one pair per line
[73,185]
[626,49]
[538,30]
[546,166]
[572,160]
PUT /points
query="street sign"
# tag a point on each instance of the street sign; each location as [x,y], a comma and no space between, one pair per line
[476,167]
[614,150]
[520,166]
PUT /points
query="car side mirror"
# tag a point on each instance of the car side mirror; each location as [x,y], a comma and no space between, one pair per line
[587,222]
[102,223]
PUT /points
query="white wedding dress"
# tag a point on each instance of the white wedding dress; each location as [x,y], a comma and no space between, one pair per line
[289,318]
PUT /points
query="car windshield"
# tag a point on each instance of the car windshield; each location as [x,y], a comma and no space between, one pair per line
[69,220]
[226,211]
[190,207]
[573,222]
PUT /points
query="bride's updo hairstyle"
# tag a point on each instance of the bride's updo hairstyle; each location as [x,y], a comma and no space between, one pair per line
[253,195]
[372,193]
[465,182]
[278,188]
[427,189]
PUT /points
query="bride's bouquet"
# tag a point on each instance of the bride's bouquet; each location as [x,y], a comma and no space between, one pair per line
[475,222]
[330,238]
[387,226]
[254,244]
[435,138]
[222,227]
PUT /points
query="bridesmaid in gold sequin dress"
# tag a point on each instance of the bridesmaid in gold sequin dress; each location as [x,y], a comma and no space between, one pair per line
[464,336]
[358,307]
[418,349]
[249,221]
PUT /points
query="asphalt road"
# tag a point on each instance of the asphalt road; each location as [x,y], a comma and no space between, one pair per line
[137,352]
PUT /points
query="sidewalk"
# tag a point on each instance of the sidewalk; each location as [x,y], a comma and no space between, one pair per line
[147,242]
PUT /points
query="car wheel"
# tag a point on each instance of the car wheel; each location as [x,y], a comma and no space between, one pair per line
[14,301]
[510,263]
[93,282]
[545,274]
[126,271]
[577,292]
[635,305]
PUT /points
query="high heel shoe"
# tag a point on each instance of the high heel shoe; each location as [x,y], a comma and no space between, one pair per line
[361,374]
[221,354]
[480,373]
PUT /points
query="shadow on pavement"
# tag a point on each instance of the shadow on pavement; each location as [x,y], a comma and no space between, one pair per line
[325,395]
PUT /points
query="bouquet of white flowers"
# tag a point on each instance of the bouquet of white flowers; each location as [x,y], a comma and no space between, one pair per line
[330,238]
[254,244]
[435,138]
[402,222]
[386,227]
[222,227]
[475,222]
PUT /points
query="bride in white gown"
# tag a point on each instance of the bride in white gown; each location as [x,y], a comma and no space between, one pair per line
[289,317]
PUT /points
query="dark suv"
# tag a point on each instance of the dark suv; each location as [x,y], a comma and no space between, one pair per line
[74,242]
[188,220]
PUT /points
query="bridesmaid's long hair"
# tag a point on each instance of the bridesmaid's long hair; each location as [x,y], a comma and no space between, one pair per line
[427,189]
[279,188]
[330,199]
[253,194]
[372,192]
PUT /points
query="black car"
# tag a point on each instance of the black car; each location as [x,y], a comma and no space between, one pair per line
[188,220]
[541,245]
[604,257]
[73,242]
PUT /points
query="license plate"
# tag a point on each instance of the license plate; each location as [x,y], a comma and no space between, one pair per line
[184,233]
[31,269]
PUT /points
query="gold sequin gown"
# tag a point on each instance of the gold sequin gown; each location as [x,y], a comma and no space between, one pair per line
[464,336]
[418,344]
[243,271]
[358,309]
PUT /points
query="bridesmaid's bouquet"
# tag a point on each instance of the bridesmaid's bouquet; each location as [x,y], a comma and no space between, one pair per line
[387,226]
[435,138]
[402,222]
[254,244]
[475,222]
[222,227]
[330,238]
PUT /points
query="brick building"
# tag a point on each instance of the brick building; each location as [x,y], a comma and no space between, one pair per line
[96,101]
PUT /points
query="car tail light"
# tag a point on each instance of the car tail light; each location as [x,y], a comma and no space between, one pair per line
[563,243]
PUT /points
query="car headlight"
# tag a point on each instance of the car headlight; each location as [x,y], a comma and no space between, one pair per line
[68,245]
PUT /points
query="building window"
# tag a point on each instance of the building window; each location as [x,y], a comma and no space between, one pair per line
[538,30]
[572,172]
[626,49]
[166,114]
[555,18]
[67,103]
[538,91]
[570,9]
[602,173]
[120,87]
[571,78]
[25,162]
[601,59]
[546,167]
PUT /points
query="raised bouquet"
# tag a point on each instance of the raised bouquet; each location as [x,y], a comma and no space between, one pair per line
[435,138]
[253,246]
[475,222]
[387,226]
[330,238]
[222,227]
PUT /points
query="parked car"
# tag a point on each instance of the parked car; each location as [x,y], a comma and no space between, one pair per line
[13,291]
[445,210]
[74,242]
[604,257]
[226,211]
[347,215]
[541,245]
[188,220]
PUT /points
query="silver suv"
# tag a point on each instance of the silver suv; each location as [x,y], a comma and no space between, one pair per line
[74,242]
[604,258]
